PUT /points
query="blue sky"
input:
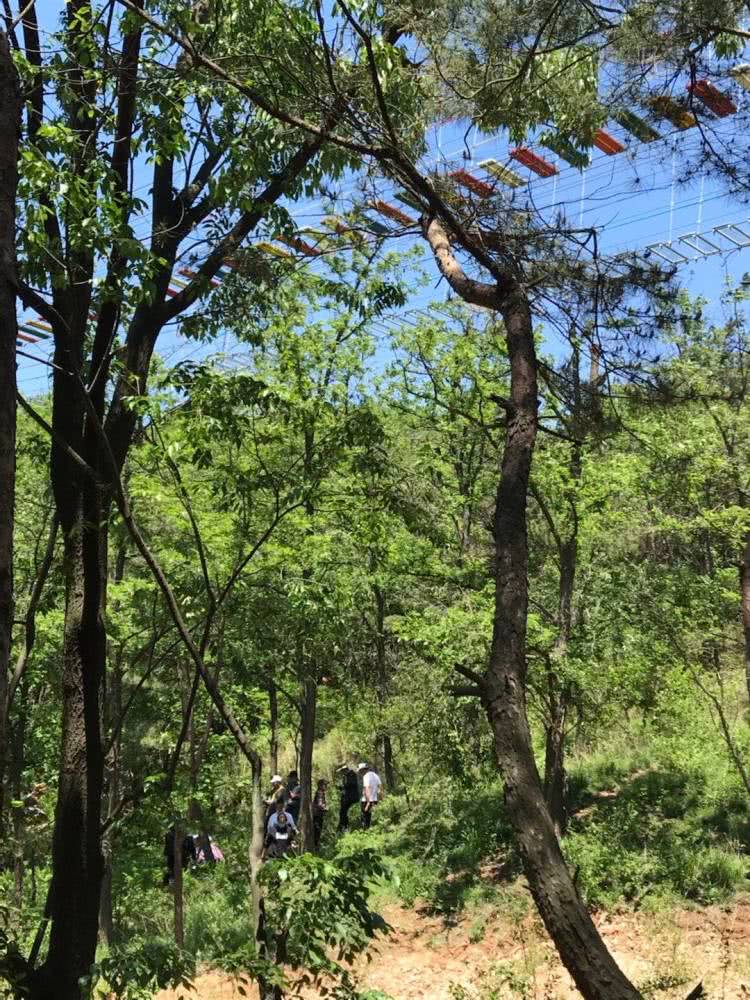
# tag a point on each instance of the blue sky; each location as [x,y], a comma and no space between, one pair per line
[632,199]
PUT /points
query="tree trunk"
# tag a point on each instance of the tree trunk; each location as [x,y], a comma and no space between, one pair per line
[112,714]
[257,836]
[566,918]
[179,923]
[745,597]
[76,849]
[559,693]
[16,783]
[384,745]
[554,758]
[255,850]
[106,918]
[10,110]
[273,705]
[309,706]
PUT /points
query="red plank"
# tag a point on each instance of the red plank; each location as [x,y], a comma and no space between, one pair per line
[467,180]
[713,98]
[391,212]
[300,245]
[607,143]
[534,162]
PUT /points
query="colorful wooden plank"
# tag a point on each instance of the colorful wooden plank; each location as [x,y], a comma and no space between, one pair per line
[565,150]
[638,128]
[534,162]
[666,107]
[478,187]
[42,328]
[607,143]
[391,212]
[376,226]
[504,174]
[713,98]
[297,244]
[406,198]
[337,225]
[741,75]
[270,248]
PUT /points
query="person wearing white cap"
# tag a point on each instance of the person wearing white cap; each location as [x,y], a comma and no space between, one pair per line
[278,795]
[371,785]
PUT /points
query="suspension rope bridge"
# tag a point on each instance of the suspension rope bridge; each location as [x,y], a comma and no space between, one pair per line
[556,174]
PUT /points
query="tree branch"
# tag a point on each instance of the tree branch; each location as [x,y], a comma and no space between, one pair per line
[479,293]
[470,674]
[30,620]
[465,691]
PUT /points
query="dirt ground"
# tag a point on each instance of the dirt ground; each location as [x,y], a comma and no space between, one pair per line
[666,954]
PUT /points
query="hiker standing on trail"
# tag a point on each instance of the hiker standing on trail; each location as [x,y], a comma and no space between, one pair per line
[274,818]
[278,794]
[294,795]
[280,835]
[349,795]
[320,808]
[371,785]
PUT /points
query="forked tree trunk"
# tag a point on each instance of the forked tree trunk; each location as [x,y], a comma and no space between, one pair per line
[567,920]
[10,110]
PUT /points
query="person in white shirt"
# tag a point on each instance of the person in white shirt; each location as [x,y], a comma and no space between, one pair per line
[371,785]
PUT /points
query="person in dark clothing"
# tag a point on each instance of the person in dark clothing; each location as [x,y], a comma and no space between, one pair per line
[279,837]
[188,853]
[349,796]
[320,808]
[294,793]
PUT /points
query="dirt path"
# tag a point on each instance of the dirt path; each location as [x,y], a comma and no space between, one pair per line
[422,958]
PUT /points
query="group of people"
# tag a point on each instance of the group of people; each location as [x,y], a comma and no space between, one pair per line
[197,849]
[284,800]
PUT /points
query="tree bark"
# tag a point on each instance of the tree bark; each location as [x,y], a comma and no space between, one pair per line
[745,599]
[559,693]
[19,816]
[179,923]
[579,425]
[384,745]
[112,714]
[76,849]
[307,744]
[567,920]
[554,757]
[10,112]
[273,706]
